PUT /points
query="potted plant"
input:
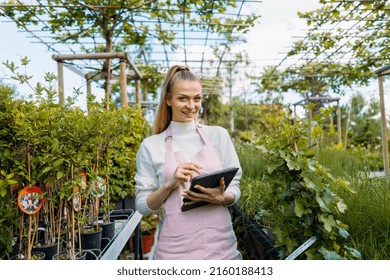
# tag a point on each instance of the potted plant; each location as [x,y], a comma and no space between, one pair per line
[47,145]
[8,183]
[148,229]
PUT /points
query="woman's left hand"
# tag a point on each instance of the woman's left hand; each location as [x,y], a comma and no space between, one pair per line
[211,195]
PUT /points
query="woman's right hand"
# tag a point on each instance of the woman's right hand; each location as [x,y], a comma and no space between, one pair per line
[184,172]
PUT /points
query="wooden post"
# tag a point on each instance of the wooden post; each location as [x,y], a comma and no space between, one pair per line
[384,127]
[347,124]
[108,56]
[89,88]
[123,84]
[339,122]
[108,82]
[138,93]
[60,69]
[295,114]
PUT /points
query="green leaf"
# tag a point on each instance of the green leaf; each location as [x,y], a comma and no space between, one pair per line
[48,168]
[328,221]
[329,255]
[310,184]
[12,182]
[293,163]
[3,192]
[341,206]
[344,184]
[59,175]
[321,203]
[290,243]
[58,162]
[343,232]
[355,253]
[300,207]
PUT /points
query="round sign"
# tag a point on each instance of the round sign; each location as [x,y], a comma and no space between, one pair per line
[76,199]
[98,187]
[30,199]
[83,177]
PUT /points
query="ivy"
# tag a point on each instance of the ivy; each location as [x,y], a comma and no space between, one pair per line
[304,201]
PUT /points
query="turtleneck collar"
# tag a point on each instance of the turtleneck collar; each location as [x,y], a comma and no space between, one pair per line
[183,127]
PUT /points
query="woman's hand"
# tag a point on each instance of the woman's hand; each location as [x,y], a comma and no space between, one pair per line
[211,195]
[184,172]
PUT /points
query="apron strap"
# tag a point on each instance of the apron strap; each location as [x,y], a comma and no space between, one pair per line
[203,135]
[169,156]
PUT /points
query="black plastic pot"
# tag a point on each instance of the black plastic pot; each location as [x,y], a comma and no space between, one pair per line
[64,255]
[34,256]
[257,242]
[108,234]
[49,250]
[92,241]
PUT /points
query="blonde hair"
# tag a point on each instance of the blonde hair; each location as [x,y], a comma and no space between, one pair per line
[164,112]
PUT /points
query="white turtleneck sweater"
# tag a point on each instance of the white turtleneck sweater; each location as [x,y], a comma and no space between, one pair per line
[151,157]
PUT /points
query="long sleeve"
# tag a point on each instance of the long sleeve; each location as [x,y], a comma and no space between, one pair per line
[150,160]
[224,147]
[146,179]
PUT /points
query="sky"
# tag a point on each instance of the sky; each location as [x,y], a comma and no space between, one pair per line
[267,43]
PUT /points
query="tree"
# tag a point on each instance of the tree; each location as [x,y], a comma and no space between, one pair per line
[365,126]
[346,42]
[116,25]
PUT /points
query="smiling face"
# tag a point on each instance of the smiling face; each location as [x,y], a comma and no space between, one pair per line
[185,101]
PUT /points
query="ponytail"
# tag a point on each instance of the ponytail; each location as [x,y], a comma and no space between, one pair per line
[164,112]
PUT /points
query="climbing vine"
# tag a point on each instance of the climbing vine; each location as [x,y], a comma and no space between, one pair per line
[304,201]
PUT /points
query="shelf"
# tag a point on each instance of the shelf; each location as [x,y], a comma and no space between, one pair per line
[126,222]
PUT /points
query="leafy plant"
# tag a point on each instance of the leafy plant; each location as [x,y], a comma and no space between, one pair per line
[48,145]
[149,223]
[304,202]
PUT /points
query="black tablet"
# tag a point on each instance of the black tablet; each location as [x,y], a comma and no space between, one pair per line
[209,180]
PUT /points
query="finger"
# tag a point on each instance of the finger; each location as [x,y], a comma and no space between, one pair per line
[201,189]
[191,166]
[222,182]
[189,171]
[191,195]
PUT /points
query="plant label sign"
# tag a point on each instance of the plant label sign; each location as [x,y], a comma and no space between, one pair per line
[30,199]
[302,248]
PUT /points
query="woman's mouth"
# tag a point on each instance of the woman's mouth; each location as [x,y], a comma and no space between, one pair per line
[189,113]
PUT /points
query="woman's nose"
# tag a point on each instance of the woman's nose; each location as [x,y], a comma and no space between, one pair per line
[191,104]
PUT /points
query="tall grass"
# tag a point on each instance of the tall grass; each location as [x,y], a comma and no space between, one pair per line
[368,217]
[253,167]
[368,214]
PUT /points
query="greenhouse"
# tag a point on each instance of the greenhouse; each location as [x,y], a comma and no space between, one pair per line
[309,126]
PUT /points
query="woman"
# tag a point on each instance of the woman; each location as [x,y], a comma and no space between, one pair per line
[167,161]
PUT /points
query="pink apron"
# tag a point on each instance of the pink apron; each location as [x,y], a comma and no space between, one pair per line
[202,233]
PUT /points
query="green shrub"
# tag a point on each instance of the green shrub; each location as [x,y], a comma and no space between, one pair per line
[302,201]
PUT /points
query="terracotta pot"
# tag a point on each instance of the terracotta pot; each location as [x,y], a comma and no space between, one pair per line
[147,242]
